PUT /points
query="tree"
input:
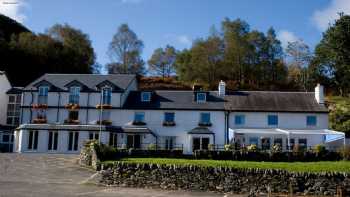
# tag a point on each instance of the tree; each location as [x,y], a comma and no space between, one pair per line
[332,54]
[125,52]
[162,62]
[299,57]
[76,42]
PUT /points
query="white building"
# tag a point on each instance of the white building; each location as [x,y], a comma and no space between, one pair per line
[61,111]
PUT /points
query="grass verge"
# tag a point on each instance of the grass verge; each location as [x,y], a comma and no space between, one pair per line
[322,166]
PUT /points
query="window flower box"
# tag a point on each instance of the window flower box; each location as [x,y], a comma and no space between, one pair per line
[104,106]
[204,124]
[40,121]
[70,121]
[104,122]
[72,106]
[169,123]
[138,123]
[39,106]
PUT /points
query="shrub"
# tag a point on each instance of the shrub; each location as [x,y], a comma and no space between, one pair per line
[320,150]
[152,147]
[252,148]
[276,148]
[229,147]
[345,152]
[211,147]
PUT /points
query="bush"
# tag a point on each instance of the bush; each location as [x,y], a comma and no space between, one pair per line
[229,147]
[276,148]
[345,152]
[252,148]
[152,147]
[211,147]
[320,150]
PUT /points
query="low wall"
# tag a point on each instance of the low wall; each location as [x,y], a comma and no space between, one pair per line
[224,180]
[88,156]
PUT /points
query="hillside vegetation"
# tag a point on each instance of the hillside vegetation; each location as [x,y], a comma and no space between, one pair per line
[339,116]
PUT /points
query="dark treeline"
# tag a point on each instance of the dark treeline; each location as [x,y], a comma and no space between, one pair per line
[245,58]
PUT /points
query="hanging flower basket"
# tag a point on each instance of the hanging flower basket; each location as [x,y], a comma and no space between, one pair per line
[72,106]
[104,106]
[104,122]
[70,121]
[39,106]
[40,121]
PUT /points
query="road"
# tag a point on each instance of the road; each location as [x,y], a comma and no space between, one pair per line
[53,175]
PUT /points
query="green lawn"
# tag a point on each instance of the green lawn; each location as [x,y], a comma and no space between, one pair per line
[324,166]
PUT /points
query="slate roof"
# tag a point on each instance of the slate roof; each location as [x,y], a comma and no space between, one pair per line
[15,90]
[244,101]
[60,81]
[268,101]
[163,99]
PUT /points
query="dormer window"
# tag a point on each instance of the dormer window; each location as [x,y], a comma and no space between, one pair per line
[43,93]
[145,96]
[201,97]
[74,94]
[106,96]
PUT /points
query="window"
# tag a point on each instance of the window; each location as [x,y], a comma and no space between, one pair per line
[33,140]
[265,144]
[13,110]
[272,120]
[5,138]
[278,141]
[43,94]
[303,143]
[73,140]
[145,96]
[239,120]
[106,96]
[73,115]
[205,118]
[53,141]
[93,136]
[291,143]
[74,94]
[253,140]
[169,142]
[106,114]
[311,120]
[201,97]
[169,117]
[200,143]
[139,117]
[113,140]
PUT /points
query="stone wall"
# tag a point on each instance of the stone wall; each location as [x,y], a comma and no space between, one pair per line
[88,156]
[223,180]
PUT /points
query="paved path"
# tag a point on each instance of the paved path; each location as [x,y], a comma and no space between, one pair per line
[42,175]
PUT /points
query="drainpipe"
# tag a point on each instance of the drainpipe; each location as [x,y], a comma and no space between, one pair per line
[87,108]
[227,114]
[31,103]
[58,107]
[22,104]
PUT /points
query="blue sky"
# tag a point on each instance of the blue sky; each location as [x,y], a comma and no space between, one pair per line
[176,22]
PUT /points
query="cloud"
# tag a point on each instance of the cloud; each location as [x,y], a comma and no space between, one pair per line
[322,18]
[13,9]
[184,39]
[286,36]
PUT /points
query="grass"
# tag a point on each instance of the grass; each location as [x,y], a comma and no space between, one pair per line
[322,166]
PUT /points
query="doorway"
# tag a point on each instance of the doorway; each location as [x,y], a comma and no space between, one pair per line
[134,141]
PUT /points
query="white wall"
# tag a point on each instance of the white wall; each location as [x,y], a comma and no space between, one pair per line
[285,120]
[4,87]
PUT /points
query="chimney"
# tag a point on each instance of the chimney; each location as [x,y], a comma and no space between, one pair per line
[222,88]
[319,94]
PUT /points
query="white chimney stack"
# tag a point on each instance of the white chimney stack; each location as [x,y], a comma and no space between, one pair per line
[222,88]
[319,94]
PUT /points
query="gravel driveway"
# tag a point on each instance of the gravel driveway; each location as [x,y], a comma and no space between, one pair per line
[42,175]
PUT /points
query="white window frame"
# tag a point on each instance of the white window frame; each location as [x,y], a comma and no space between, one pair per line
[148,96]
[205,97]
[13,114]
[242,116]
[74,91]
[52,148]
[143,113]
